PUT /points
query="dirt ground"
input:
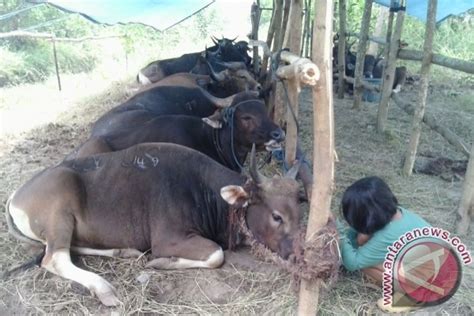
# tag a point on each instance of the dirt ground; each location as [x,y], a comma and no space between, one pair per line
[243,285]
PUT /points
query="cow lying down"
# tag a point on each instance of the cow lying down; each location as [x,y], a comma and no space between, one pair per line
[226,136]
[166,198]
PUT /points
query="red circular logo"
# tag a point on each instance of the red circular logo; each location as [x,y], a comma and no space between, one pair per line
[428,272]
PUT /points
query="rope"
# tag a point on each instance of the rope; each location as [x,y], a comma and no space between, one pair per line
[279,154]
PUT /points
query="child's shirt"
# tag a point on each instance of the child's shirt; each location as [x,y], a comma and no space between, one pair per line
[373,252]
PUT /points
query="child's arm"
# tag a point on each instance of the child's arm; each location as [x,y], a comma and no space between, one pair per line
[370,254]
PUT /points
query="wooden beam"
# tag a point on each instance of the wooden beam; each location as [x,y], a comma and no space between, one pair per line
[410,153]
[449,62]
[389,72]
[341,50]
[431,121]
[361,50]
[323,152]
[466,205]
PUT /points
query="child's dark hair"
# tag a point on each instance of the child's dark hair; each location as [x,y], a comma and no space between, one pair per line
[368,205]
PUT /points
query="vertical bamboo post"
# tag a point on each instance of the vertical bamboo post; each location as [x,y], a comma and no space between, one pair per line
[293,42]
[388,37]
[341,50]
[255,13]
[361,49]
[466,205]
[284,22]
[56,65]
[410,153]
[271,32]
[323,152]
[389,72]
[307,39]
[278,38]
[381,17]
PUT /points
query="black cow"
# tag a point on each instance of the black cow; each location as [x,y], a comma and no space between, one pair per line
[223,51]
[166,198]
[161,100]
[226,137]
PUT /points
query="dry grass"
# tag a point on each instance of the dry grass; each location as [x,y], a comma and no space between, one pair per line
[243,285]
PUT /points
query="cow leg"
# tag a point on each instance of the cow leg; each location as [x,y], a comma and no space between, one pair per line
[113,253]
[193,252]
[57,259]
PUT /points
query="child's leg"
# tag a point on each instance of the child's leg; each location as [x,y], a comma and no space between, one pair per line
[375,273]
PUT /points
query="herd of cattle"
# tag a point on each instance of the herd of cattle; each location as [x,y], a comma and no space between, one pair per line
[162,173]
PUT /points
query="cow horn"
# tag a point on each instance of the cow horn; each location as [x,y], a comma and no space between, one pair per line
[257,177]
[214,40]
[291,174]
[220,76]
[233,65]
[233,40]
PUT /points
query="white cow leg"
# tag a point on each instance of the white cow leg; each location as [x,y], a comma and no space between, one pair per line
[192,252]
[59,262]
[113,253]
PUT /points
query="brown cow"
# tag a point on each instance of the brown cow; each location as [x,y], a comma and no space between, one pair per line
[164,197]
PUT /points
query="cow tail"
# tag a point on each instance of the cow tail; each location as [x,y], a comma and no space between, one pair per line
[35,262]
[13,230]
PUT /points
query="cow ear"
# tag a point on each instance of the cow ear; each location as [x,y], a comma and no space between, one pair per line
[235,195]
[215,120]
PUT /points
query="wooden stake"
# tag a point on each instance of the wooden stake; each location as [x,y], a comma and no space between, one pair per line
[255,13]
[323,152]
[271,33]
[361,49]
[431,121]
[341,50]
[389,72]
[278,37]
[412,147]
[284,22]
[466,205]
[56,65]
[381,17]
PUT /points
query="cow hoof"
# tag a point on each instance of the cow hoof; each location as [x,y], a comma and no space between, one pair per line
[107,294]
[161,263]
[127,253]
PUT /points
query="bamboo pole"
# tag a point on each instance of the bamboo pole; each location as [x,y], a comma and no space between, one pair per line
[278,38]
[307,40]
[270,35]
[381,17]
[255,13]
[56,65]
[361,49]
[341,50]
[293,42]
[466,205]
[389,72]
[323,153]
[431,121]
[284,22]
[412,147]
[448,62]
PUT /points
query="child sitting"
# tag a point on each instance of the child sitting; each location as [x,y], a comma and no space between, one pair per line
[376,221]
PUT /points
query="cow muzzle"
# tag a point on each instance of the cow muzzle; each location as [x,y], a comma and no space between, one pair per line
[286,248]
[277,137]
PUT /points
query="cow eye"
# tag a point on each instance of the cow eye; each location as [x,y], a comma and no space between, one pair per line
[277,218]
[246,118]
[242,77]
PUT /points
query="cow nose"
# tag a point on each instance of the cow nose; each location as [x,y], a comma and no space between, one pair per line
[286,248]
[258,87]
[277,134]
